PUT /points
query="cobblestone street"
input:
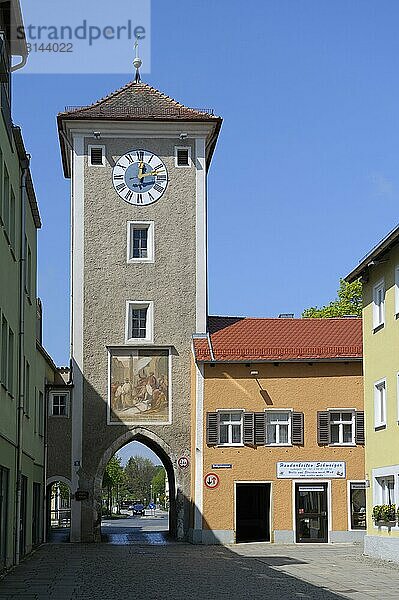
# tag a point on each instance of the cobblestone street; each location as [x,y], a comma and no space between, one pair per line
[155,570]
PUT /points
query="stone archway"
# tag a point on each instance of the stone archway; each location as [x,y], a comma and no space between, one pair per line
[169,461]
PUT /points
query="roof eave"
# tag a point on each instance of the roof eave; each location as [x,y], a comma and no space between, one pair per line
[386,244]
[280,360]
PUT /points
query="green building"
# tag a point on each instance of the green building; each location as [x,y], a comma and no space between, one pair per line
[379,272]
[25,367]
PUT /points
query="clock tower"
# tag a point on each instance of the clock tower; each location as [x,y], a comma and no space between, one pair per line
[138,163]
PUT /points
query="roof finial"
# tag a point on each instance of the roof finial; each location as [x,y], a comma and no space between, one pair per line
[137,62]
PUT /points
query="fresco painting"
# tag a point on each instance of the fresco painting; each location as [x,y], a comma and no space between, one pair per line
[139,386]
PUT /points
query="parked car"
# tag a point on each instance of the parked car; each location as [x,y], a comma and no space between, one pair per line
[138,509]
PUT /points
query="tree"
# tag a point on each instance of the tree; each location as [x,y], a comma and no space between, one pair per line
[113,478]
[349,302]
[158,482]
[139,472]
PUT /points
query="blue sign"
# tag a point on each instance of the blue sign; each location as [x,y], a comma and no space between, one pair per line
[151,506]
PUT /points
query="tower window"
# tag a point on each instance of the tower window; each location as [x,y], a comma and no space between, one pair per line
[96,156]
[59,404]
[182,156]
[139,322]
[140,241]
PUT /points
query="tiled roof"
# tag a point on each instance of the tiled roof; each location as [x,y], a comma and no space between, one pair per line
[138,101]
[249,339]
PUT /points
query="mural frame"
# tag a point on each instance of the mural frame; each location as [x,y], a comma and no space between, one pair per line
[129,350]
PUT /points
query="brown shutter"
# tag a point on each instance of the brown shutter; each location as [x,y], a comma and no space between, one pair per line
[260,429]
[359,427]
[297,429]
[212,429]
[248,429]
[323,427]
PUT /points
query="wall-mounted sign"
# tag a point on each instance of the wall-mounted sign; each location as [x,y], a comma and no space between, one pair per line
[81,495]
[183,462]
[222,466]
[211,480]
[311,470]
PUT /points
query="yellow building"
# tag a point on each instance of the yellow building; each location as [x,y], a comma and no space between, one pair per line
[282,431]
[379,272]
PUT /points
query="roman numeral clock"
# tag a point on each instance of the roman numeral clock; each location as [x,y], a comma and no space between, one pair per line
[140,177]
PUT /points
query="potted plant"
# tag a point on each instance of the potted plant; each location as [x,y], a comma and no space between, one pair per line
[385,514]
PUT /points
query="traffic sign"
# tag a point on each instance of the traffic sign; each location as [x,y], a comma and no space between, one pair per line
[211,480]
[183,462]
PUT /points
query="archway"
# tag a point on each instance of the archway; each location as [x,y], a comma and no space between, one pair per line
[168,460]
[58,494]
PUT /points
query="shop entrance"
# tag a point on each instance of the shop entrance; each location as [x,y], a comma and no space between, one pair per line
[311,512]
[253,512]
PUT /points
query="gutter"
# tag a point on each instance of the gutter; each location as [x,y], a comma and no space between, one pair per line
[21,359]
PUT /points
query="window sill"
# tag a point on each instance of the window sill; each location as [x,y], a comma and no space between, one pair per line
[378,328]
[138,341]
[230,446]
[135,261]
[380,427]
[351,445]
[60,416]
[278,445]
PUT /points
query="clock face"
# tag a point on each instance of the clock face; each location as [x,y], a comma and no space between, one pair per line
[140,177]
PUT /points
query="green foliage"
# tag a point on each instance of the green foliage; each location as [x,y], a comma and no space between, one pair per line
[139,473]
[385,513]
[349,302]
[114,474]
[158,483]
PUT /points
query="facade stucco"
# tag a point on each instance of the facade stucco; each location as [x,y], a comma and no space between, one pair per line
[299,386]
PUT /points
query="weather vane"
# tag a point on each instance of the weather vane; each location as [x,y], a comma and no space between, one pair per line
[137,62]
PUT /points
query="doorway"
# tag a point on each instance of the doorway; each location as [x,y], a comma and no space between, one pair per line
[253,512]
[311,514]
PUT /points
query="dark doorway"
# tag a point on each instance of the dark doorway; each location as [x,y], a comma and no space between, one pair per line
[22,522]
[253,512]
[37,515]
[311,512]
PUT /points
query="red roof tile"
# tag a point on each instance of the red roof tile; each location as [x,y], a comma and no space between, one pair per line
[137,101]
[243,338]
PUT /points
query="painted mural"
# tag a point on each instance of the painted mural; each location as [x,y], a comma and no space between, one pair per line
[139,386]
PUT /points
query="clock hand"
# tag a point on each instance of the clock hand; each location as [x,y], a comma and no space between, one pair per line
[151,174]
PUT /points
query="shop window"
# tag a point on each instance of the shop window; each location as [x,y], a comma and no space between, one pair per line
[357,498]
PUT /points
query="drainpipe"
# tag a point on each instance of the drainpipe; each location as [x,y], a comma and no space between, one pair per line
[21,359]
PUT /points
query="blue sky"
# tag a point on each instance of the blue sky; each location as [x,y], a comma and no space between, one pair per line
[305,176]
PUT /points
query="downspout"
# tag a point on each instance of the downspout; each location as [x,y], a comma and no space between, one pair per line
[21,361]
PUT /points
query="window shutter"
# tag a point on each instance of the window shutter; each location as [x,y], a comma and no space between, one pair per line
[297,429]
[212,429]
[96,156]
[359,427]
[182,157]
[249,433]
[323,427]
[260,428]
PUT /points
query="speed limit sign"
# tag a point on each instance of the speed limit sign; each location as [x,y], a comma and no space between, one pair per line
[211,480]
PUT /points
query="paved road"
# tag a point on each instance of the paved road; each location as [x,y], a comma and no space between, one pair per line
[175,571]
[136,530]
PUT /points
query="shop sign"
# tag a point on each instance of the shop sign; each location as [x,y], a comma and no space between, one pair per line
[81,495]
[311,470]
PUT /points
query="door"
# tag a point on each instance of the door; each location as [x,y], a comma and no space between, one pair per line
[36,515]
[3,515]
[311,512]
[253,512]
[22,523]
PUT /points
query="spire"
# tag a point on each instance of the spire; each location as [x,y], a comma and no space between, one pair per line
[137,62]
